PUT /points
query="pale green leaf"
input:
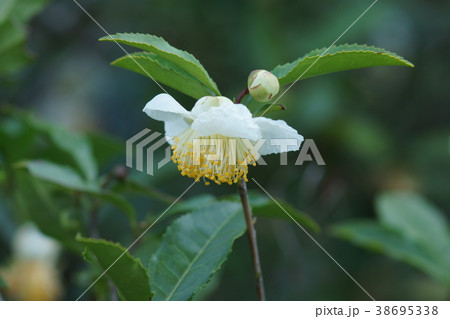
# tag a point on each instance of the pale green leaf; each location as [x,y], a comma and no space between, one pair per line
[5,9]
[337,58]
[62,175]
[165,72]
[410,229]
[127,272]
[414,217]
[193,248]
[163,49]
[76,145]
[387,241]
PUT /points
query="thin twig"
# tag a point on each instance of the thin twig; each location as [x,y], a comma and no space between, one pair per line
[252,239]
[241,95]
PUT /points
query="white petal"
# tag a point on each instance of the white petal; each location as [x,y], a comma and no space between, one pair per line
[164,107]
[206,102]
[232,120]
[274,131]
[174,128]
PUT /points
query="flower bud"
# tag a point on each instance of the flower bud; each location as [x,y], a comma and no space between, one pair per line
[263,85]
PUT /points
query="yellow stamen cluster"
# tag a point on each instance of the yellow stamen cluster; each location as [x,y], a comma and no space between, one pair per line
[216,157]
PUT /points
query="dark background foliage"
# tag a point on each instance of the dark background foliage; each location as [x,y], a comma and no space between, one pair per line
[377,129]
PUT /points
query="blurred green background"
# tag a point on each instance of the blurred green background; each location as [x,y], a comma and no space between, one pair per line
[385,128]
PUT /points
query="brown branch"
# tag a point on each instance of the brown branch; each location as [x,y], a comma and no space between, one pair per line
[242,188]
[241,95]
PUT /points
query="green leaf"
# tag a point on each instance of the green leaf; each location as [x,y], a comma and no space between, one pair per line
[120,203]
[263,206]
[147,246]
[410,229]
[137,187]
[415,218]
[270,209]
[269,108]
[24,10]
[163,49]
[127,273]
[193,249]
[78,147]
[62,175]
[212,286]
[72,143]
[67,177]
[14,59]
[387,241]
[192,203]
[165,72]
[75,145]
[337,58]
[5,9]
[14,15]
[12,33]
[105,147]
[34,199]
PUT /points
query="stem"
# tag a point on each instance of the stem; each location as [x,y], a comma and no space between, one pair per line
[241,95]
[252,240]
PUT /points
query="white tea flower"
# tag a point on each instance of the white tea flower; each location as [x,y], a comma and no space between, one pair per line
[213,140]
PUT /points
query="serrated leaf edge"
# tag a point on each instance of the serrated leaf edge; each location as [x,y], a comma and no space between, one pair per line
[308,57]
[136,56]
[152,258]
[199,66]
[86,240]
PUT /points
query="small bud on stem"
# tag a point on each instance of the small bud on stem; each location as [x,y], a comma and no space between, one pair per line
[263,85]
